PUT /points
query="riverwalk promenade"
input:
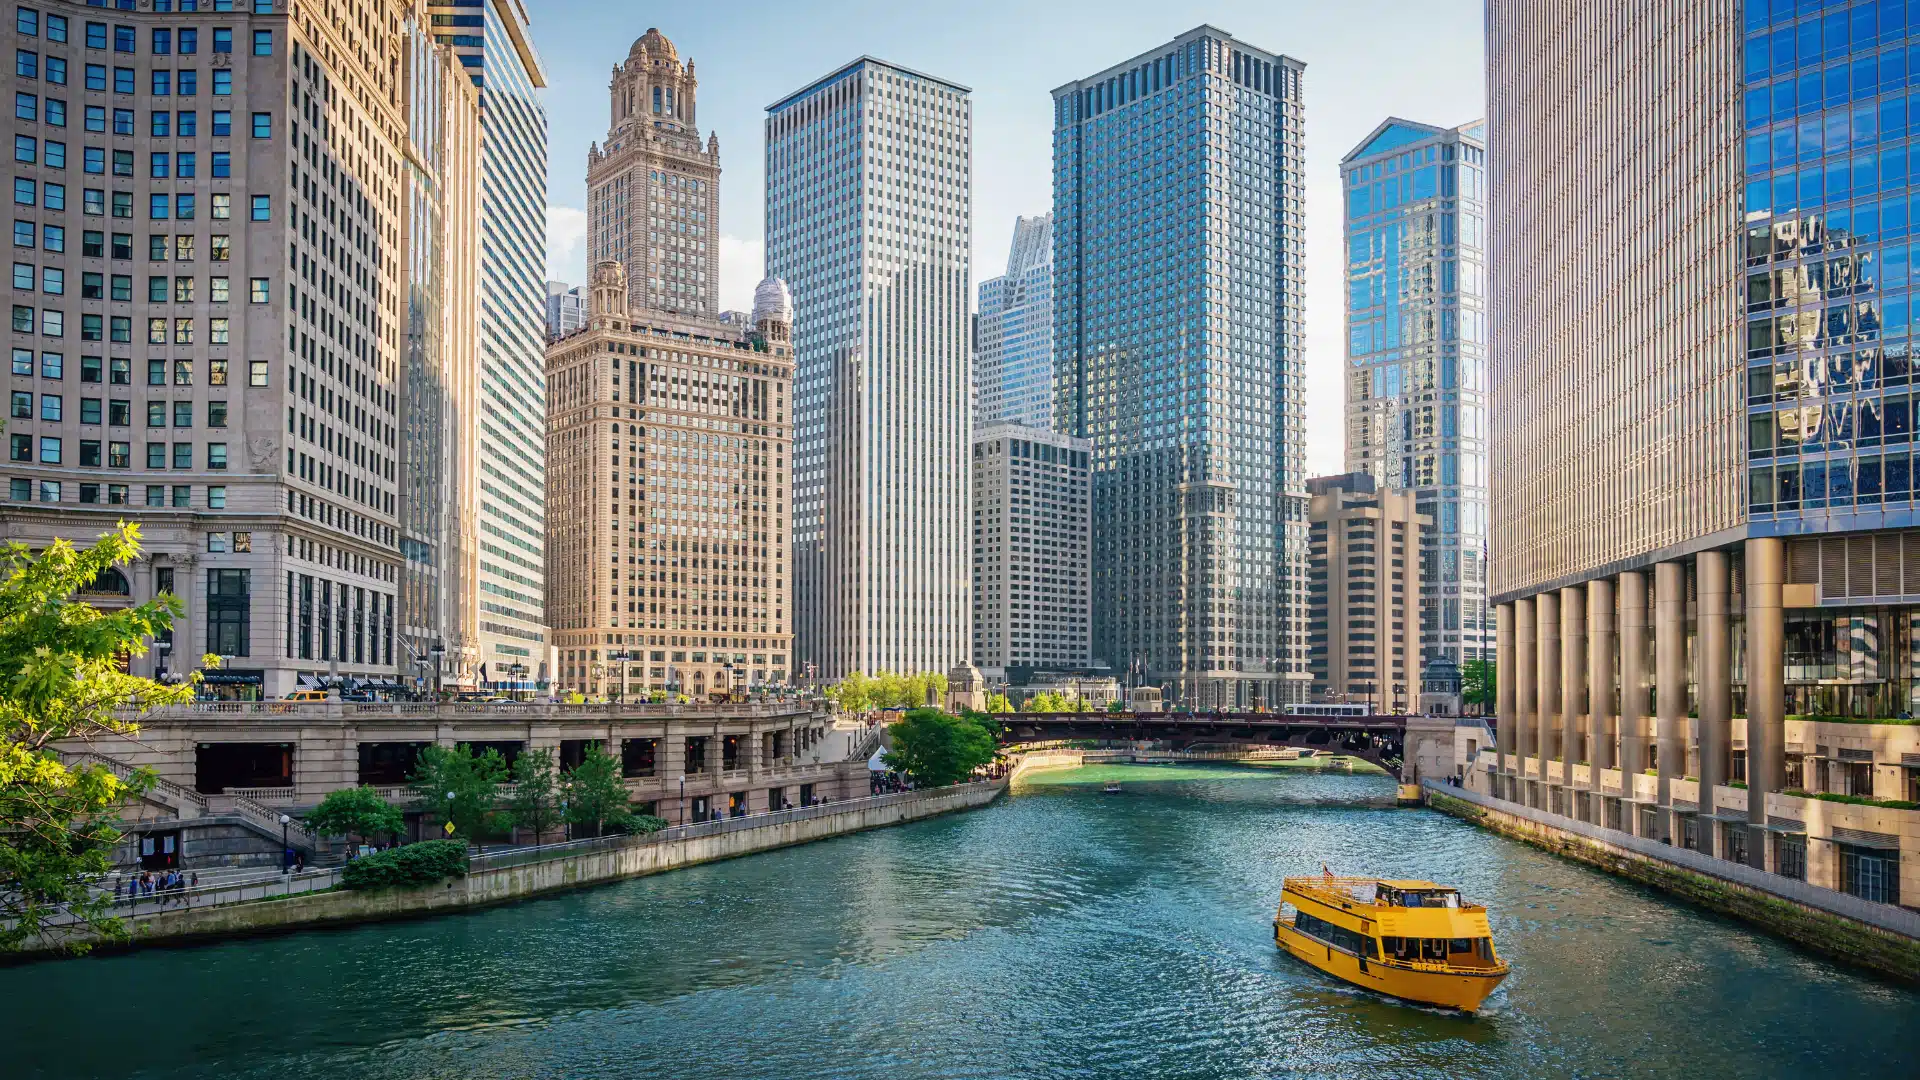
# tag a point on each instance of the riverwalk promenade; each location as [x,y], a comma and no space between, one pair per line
[315,898]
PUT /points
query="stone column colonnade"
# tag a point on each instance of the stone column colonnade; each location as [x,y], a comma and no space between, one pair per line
[1556,668]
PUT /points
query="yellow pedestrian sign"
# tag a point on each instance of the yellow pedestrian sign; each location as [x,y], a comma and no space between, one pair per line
[448,827]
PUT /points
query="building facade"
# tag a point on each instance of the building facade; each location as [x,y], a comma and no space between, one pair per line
[1700,480]
[510,647]
[1032,550]
[670,440]
[1363,573]
[1416,382]
[1178,219]
[868,215]
[211,266]
[566,309]
[653,189]
[1013,335]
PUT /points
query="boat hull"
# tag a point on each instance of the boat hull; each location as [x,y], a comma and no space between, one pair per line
[1465,991]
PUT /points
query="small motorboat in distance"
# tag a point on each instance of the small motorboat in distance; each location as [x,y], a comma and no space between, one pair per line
[1112,788]
[1411,939]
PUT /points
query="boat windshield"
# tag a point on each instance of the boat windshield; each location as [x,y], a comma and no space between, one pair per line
[1446,898]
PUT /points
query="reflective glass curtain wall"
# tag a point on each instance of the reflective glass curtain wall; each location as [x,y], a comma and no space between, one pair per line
[1177,304]
[1415,209]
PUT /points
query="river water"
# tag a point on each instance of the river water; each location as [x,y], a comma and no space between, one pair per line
[1060,933]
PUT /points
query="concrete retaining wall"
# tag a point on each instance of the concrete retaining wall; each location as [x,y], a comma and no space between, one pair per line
[495,886]
[1882,940]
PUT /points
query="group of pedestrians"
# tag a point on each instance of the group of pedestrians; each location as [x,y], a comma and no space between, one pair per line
[170,886]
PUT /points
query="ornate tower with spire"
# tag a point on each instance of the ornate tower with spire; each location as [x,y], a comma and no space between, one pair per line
[653,189]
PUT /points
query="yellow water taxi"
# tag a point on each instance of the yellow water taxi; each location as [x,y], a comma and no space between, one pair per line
[1410,939]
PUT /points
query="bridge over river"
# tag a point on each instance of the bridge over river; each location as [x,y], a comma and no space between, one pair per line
[1383,739]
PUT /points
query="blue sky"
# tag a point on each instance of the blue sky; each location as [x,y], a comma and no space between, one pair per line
[1365,61]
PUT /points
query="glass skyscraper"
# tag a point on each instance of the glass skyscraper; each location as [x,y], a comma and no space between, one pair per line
[1417,356]
[1013,339]
[493,42]
[1178,217]
[869,210]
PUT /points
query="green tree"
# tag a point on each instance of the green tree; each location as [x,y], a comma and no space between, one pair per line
[535,803]
[998,703]
[853,694]
[596,794]
[474,781]
[1478,683]
[890,691]
[60,678]
[936,748]
[1048,701]
[356,811]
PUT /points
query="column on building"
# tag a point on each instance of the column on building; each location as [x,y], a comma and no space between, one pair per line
[1670,673]
[1716,685]
[1573,681]
[1547,612]
[1766,685]
[1525,689]
[1601,723]
[1503,695]
[1632,758]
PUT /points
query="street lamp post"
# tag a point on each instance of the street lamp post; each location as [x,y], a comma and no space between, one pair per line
[286,853]
[449,829]
[438,650]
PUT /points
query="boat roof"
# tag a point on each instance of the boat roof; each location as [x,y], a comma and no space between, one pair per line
[1403,884]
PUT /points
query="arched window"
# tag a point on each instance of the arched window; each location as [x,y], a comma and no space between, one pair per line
[111,582]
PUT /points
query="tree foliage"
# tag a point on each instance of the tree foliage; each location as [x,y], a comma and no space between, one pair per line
[596,794]
[356,811]
[536,793]
[411,866]
[998,703]
[1478,683]
[1053,701]
[936,748]
[474,781]
[859,692]
[60,679]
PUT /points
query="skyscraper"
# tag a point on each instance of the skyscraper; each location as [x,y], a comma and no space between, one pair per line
[1177,217]
[670,440]
[1701,429]
[1031,550]
[1013,345]
[653,190]
[253,429]
[566,308]
[1364,591]
[1416,379]
[869,202]
[493,41]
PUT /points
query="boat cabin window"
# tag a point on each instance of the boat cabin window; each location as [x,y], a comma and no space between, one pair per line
[1412,898]
[1436,950]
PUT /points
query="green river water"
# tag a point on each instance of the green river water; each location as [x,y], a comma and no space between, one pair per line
[1062,932]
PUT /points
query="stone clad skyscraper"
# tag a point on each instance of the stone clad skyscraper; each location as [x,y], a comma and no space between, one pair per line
[1178,218]
[1416,376]
[869,205]
[653,189]
[1013,345]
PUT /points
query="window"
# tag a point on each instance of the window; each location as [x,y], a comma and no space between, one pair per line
[257,290]
[217,413]
[25,192]
[23,276]
[262,42]
[120,371]
[95,118]
[156,455]
[26,22]
[49,450]
[156,413]
[183,249]
[53,280]
[182,335]
[26,106]
[57,28]
[183,369]
[183,290]
[20,489]
[56,112]
[26,64]
[156,290]
[50,491]
[185,164]
[90,453]
[56,158]
[26,150]
[96,35]
[156,373]
[157,331]
[256,373]
[90,366]
[222,81]
[157,204]
[228,604]
[23,234]
[216,542]
[217,330]
[119,412]
[93,160]
[263,208]
[186,83]
[218,288]
[187,123]
[156,495]
[217,497]
[263,125]
[123,245]
[183,414]
[20,447]
[220,248]
[217,455]
[162,42]
[162,83]
[122,287]
[123,163]
[22,319]
[222,39]
[216,373]
[222,122]
[222,168]
[120,328]
[97,77]
[53,237]
[52,365]
[123,41]
[123,80]
[22,408]
[183,455]
[50,407]
[160,124]
[53,323]
[189,41]
[118,456]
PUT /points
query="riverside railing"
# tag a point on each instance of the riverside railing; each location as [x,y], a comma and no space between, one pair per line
[267,886]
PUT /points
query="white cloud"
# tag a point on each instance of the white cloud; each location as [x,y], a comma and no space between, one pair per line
[742,264]
[566,245]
